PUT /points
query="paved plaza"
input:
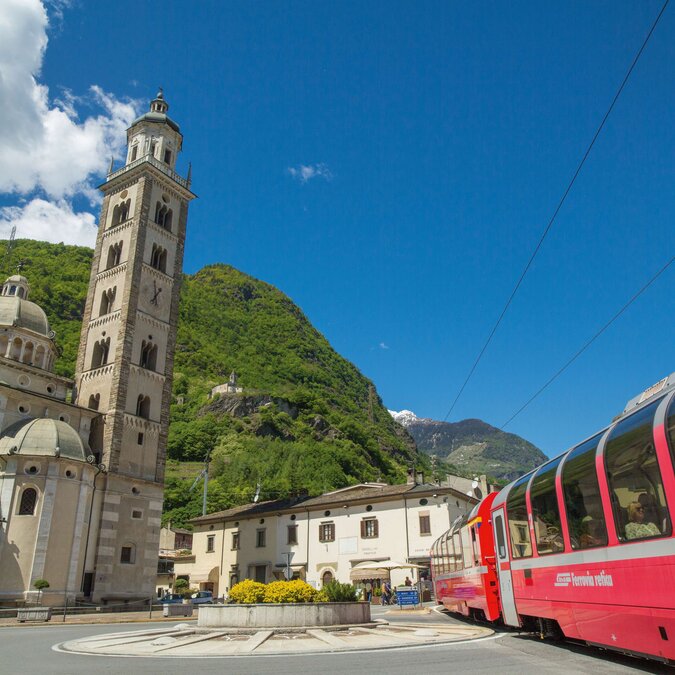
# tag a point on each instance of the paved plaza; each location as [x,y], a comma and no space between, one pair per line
[39,647]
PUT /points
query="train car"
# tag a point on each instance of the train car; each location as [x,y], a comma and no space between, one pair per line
[463,565]
[585,544]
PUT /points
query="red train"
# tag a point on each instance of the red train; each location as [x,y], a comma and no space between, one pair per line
[581,547]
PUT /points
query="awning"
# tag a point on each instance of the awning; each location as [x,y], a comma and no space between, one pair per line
[362,575]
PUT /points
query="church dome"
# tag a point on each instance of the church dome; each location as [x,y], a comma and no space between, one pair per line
[44,436]
[19,312]
[158,109]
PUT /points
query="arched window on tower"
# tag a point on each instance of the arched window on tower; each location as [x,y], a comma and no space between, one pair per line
[158,258]
[20,292]
[121,212]
[107,301]
[28,502]
[143,407]
[163,216]
[114,255]
[94,401]
[134,152]
[100,355]
[148,355]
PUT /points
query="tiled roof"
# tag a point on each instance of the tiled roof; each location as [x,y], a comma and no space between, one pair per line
[357,493]
[247,509]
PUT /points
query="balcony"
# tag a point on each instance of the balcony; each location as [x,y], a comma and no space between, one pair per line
[161,166]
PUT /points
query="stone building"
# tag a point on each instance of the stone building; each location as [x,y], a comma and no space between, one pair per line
[325,536]
[81,482]
[230,387]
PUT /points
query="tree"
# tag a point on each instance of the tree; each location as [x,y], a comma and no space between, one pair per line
[40,585]
[180,586]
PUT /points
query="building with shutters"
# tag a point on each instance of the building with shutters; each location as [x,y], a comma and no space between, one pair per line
[325,536]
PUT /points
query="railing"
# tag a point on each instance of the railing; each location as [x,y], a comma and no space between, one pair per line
[151,159]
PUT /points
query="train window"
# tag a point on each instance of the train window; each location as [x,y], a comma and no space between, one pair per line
[516,510]
[443,554]
[501,544]
[467,549]
[457,554]
[545,510]
[670,425]
[635,483]
[449,560]
[585,516]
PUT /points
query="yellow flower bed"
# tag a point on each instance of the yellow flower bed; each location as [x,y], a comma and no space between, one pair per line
[247,592]
[251,592]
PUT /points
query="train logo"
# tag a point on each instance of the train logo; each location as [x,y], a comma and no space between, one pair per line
[566,578]
[563,579]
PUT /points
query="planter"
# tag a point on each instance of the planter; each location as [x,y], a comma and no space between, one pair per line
[183,609]
[34,614]
[290,615]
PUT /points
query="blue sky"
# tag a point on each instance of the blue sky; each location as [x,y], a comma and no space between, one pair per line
[436,139]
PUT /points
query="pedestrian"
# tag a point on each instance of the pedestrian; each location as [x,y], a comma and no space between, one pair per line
[383,589]
[369,591]
[407,581]
[387,588]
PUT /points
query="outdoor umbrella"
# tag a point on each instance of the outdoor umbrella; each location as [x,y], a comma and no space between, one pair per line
[388,565]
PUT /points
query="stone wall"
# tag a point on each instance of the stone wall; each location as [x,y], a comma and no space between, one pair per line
[284,616]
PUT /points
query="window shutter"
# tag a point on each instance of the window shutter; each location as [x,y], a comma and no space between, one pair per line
[363,529]
[376,529]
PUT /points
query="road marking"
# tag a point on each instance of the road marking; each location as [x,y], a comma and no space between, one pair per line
[328,638]
[254,641]
[433,645]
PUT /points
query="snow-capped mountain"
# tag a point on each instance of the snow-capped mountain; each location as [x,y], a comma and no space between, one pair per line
[406,417]
[472,445]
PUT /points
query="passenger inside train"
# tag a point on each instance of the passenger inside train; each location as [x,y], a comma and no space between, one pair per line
[637,527]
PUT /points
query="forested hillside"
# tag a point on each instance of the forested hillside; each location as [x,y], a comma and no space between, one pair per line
[307,419]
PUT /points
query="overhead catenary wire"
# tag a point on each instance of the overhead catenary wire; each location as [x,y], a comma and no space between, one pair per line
[588,343]
[556,211]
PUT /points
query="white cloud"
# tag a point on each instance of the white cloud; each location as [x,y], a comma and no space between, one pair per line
[49,221]
[305,173]
[45,149]
[382,345]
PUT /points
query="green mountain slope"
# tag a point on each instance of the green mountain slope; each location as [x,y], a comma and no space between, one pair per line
[475,447]
[307,419]
[58,277]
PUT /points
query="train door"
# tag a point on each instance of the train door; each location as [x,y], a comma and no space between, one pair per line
[506,596]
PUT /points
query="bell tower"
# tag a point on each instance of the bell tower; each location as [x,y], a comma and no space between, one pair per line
[125,361]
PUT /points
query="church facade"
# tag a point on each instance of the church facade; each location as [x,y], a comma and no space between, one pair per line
[82,462]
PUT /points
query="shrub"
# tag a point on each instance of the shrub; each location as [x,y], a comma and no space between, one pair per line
[295,590]
[181,586]
[337,592]
[247,592]
[40,584]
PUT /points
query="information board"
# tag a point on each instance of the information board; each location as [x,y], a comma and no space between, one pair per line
[407,596]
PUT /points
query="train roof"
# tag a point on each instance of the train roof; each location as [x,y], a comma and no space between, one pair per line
[649,395]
